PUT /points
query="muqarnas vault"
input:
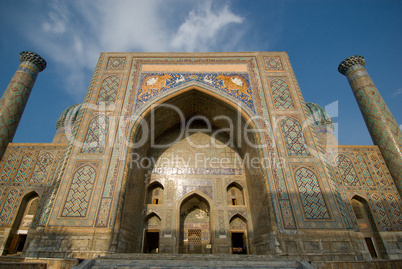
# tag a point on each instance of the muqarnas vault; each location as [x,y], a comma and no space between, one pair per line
[200,153]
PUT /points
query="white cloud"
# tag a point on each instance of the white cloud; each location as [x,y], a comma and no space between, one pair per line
[398,92]
[203,26]
[57,18]
[73,33]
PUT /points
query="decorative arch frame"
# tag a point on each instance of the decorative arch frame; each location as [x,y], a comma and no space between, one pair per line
[194,193]
[186,197]
[236,184]
[66,210]
[150,215]
[18,217]
[153,185]
[352,170]
[245,114]
[238,215]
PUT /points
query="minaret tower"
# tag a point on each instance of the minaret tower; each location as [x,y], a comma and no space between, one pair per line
[381,124]
[14,99]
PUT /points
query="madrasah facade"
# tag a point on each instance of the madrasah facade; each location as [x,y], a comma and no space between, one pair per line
[200,153]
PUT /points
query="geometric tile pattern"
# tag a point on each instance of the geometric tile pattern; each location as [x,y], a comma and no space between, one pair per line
[9,203]
[382,126]
[378,171]
[273,63]
[381,212]
[312,199]
[17,169]
[79,195]
[42,167]
[116,63]
[281,94]
[370,171]
[365,171]
[238,224]
[169,222]
[221,223]
[347,220]
[293,134]
[24,167]
[237,85]
[103,212]
[347,171]
[96,135]
[8,166]
[287,214]
[108,190]
[396,212]
[108,91]
[13,101]
[153,222]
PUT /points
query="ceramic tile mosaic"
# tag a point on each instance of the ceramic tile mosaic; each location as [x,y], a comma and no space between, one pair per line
[108,91]
[382,126]
[93,188]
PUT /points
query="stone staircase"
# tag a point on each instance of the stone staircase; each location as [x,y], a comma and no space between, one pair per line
[186,261]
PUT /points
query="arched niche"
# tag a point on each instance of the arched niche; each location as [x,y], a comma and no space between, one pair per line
[234,194]
[155,193]
[22,222]
[238,234]
[152,228]
[367,226]
[195,224]
[171,117]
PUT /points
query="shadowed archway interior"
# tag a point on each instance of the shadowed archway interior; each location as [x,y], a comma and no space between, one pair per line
[193,141]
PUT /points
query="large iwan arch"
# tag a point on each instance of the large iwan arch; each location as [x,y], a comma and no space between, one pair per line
[205,156]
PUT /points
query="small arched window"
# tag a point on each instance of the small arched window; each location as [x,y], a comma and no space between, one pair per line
[155,194]
[235,194]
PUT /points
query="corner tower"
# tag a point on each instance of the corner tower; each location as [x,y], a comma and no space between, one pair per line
[381,124]
[14,99]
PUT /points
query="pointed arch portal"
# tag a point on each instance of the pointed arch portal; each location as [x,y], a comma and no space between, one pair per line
[193,145]
[22,223]
[195,225]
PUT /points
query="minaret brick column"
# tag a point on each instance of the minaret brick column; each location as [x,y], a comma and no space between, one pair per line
[14,99]
[381,124]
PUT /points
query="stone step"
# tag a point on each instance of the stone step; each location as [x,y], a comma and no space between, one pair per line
[162,261]
[144,256]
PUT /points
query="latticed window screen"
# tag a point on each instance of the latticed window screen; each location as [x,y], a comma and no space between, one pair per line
[194,241]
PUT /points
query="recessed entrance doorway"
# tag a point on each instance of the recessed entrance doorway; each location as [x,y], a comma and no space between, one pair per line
[194,225]
[151,242]
[238,243]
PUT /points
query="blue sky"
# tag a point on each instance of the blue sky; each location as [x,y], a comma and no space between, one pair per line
[317,35]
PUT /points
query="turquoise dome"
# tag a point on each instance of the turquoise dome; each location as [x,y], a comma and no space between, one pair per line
[69,113]
[319,115]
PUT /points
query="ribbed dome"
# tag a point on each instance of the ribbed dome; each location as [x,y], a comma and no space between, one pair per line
[320,116]
[69,113]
